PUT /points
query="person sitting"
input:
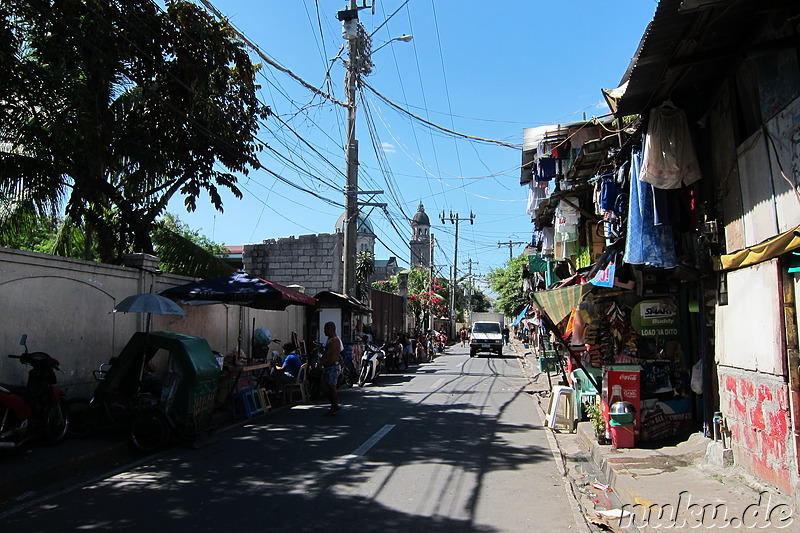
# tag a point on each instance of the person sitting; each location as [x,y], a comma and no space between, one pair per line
[288,371]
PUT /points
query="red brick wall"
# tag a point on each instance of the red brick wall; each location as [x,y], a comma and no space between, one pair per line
[756,407]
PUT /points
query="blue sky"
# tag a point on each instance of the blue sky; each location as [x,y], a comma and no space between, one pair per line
[484,69]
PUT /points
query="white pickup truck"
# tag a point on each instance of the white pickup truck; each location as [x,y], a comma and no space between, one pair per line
[486,337]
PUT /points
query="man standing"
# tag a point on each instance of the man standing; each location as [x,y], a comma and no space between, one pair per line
[464,335]
[330,366]
[506,334]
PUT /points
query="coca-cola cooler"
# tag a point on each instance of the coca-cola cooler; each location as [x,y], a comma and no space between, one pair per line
[622,383]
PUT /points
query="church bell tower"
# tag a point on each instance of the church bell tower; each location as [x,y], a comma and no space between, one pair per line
[421,251]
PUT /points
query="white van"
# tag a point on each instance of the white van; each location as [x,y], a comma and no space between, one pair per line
[486,337]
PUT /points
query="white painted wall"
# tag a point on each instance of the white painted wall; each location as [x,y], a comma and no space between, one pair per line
[329,315]
[64,305]
[748,329]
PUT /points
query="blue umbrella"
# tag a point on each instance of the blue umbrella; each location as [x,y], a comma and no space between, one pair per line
[150,303]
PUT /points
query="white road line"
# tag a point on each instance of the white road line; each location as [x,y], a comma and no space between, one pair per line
[372,441]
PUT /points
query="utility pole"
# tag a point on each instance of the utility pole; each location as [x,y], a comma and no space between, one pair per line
[359,61]
[431,277]
[510,245]
[350,31]
[454,219]
[470,262]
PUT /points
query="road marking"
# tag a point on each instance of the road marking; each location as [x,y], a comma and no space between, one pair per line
[372,441]
[438,382]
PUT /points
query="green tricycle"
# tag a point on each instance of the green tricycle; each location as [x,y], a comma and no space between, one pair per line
[161,386]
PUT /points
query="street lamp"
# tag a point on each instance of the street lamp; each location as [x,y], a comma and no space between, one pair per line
[404,38]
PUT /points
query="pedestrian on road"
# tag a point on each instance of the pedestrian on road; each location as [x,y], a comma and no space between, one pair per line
[463,336]
[330,366]
[506,333]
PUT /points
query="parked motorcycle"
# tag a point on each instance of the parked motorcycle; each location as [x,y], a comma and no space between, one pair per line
[395,358]
[36,409]
[348,376]
[371,364]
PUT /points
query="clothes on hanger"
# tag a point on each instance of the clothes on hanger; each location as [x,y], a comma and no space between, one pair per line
[669,160]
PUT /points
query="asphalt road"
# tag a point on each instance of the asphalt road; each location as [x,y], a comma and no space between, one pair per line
[453,445]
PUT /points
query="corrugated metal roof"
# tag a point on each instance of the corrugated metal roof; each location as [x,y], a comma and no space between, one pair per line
[688,49]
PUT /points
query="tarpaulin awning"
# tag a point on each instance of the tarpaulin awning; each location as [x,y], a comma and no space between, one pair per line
[558,303]
[752,255]
[520,316]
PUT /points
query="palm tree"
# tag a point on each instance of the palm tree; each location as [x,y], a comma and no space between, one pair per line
[365,268]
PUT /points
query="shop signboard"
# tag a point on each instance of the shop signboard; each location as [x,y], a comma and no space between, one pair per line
[655,318]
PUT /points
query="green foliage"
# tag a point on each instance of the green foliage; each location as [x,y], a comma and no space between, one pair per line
[507,283]
[595,415]
[48,235]
[425,298]
[182,250]
[107,122]
[389,285]
[365,268]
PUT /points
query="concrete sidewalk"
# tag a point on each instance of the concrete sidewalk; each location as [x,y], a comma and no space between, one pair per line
[669,487]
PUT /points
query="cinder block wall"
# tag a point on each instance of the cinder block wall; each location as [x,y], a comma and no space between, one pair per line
[313,261]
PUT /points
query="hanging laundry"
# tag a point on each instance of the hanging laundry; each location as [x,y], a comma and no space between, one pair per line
[535,197]
[566,220]
[669,158]
[646,243]
[609,192]
[666,205]
[546,169]
[548,240]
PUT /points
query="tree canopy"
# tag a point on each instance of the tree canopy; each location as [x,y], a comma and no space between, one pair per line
[110,108]
[507,283]
[428,296]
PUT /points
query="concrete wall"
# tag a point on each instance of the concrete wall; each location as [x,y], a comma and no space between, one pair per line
[754,394]
[64,305]
[756,202]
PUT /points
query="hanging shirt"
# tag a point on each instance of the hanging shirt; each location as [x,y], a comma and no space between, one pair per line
[669,160]
[535,197]
[546,169]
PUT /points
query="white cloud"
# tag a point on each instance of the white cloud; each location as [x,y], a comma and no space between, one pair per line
[388,148]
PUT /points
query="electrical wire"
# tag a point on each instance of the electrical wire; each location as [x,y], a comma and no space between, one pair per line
[436,126]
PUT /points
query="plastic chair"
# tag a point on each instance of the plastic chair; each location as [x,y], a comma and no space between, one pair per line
[561,411]
[242,402]
[301,384]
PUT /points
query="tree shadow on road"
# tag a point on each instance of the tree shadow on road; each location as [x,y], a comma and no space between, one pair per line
[293,470]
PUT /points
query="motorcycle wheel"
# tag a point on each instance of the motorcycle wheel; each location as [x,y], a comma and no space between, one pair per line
[349,374]
[400,364]
[56,423]
[150,431]
[82,417]
[362,379]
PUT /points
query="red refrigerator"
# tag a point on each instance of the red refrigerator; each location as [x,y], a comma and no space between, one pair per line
[622,383]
